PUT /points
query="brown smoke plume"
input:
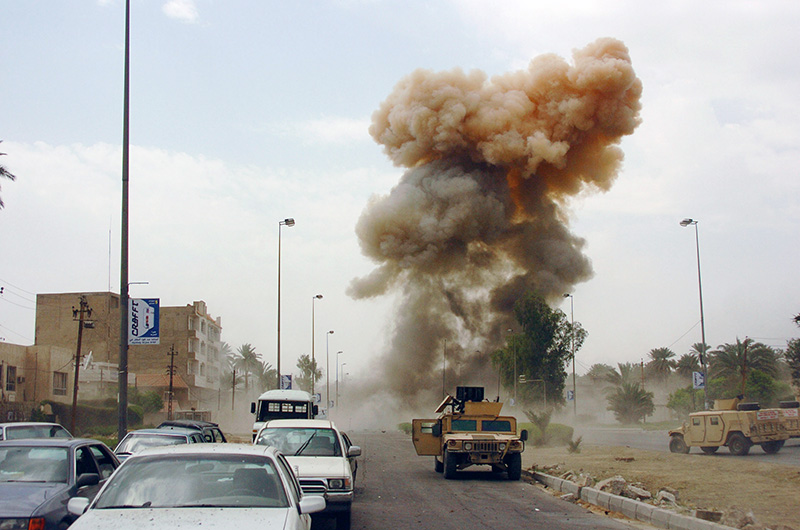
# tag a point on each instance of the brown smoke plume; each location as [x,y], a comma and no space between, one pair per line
[478,218]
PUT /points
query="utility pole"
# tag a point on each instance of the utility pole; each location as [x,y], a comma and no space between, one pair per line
[171,372]
[80,315]
[233,390]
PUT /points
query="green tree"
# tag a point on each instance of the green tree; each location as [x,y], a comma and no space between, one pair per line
[734,361]
[685,400]
[5,173]
[792,357]
[248,362]
[662,361]
[541,351]
[630,403]
[267,377]
[599,373]
[687,364]
[150,401]
[625,373]
[307,369]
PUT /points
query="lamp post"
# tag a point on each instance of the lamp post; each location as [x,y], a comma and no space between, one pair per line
[684,223]
[509,330]
[327,372]
[286,222]
[572,340]
[336,402]
[313,357]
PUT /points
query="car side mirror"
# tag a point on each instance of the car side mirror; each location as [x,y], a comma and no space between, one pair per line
[311,504]
[315,409]
[77,505]
[354,450]
[524,435]
[252,408]
[87,479]
[436,430]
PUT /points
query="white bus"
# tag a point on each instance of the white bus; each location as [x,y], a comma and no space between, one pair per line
[282,404]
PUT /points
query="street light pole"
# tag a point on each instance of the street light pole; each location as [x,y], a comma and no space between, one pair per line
[327,376]
[286,222]
[336,402]
[313,358]
[684,223]
[572,340]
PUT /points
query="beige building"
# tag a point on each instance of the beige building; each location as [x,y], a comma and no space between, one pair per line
[46,370]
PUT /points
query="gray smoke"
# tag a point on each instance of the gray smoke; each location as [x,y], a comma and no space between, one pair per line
[478,219]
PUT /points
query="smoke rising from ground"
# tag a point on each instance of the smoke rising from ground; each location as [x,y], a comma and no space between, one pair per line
[479,217]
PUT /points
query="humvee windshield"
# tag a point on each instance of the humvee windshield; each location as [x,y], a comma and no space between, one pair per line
[486,425]
[464,425]
[496,425]
[272,410]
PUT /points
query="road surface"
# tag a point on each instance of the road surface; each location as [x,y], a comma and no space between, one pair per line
[398,490]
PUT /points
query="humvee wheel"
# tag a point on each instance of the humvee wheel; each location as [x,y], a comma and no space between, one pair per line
[437,466]
[738,444]
[677,444]
[450,465]
[710,450]
[772,447]
[514,462]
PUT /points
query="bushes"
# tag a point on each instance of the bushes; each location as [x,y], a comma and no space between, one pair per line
[404,427]
[555,434]
[94,416]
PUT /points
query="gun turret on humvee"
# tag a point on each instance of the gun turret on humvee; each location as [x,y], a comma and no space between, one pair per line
[470,431]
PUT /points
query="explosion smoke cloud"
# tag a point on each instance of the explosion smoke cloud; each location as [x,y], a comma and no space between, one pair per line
[479,216]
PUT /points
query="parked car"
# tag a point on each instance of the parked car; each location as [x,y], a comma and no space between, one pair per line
[39,476]
[210,430]
[30,429]
[200,486]
[135,441]
[321,459]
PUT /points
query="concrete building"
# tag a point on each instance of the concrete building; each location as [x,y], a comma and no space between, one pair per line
[190,342]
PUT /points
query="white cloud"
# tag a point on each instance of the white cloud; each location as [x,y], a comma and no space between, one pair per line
[183,10]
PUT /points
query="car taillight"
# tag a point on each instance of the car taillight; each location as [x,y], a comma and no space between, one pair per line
[36,523]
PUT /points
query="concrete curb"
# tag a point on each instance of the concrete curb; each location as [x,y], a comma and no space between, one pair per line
[633,509]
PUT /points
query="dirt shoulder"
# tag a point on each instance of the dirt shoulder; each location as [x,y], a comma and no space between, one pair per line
[712,482]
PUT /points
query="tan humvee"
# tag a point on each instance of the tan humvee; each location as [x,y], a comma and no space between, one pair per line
[470,432]
[733,424]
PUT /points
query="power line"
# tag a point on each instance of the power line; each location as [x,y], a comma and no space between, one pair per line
[15,287]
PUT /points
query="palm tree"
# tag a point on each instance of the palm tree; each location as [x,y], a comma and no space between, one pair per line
[6,174]
[625,374]
[630,403]
[661,363]
[687,364]
[599,373]
[698,348]
[267,376]
[248,361]
[734,360]
[307,369]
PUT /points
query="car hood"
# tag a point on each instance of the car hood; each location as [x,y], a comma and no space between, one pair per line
[180,518]
[21,499]
[319,466]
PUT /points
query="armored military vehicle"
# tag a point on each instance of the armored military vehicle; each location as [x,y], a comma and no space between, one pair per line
[733,424]
[470,431]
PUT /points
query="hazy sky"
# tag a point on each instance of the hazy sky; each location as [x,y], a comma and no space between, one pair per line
[244,113]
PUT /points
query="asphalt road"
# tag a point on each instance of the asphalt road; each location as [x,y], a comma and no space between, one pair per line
[398,490]
[789,455]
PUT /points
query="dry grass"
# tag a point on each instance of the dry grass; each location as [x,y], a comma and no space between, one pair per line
[712,482]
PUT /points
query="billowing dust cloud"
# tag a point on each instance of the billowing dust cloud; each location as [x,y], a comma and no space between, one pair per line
[479,217]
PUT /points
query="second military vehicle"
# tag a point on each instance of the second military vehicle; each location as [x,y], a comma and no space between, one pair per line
[733,424]
[470,431]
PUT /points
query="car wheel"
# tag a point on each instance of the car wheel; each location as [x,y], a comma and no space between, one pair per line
[772,447]
[678,445]
[450,465]
[738,444]
[343,520]
[514,461]
[710,450]
[437,466]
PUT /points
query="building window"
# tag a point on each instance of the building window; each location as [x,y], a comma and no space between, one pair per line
[59,384]
[202,326]
[11,379]
[191,323]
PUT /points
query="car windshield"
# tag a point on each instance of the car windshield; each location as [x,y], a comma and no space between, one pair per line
[185,481]
[19,432]
[136,442]
[297,441]
[33,464]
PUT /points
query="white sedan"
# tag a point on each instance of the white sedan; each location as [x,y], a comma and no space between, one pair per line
[212,486]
